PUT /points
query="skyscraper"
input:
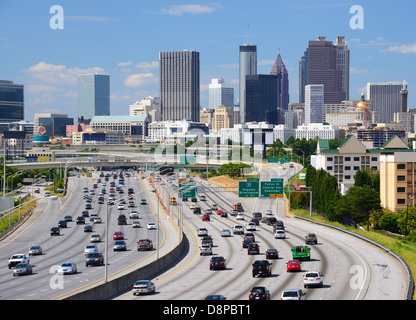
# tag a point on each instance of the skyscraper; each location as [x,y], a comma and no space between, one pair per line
[248,66]
[314,103]
[93,96]
[386,99]
[279,69]
[220,94]
[179,85]
[11,101]
[327,64]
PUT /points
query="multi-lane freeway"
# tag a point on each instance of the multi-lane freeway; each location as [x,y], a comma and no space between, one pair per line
[352,268]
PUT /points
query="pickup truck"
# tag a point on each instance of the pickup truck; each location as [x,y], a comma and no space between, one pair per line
[18,258]
[301,253]
[261,267]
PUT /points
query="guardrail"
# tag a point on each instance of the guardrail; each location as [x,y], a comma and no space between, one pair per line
[410,288]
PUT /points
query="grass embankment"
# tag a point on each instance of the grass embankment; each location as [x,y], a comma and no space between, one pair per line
[15,216]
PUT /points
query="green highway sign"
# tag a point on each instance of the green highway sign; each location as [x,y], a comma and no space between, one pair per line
[187,191]
[272,160]
[248,189]
[272,189]
[284,160]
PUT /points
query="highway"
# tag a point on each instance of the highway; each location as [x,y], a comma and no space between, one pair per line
[44,283]
[352,268]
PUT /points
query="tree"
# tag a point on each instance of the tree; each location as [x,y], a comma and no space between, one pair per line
[406,219]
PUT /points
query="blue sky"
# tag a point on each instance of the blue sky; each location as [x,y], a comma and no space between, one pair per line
[124,38]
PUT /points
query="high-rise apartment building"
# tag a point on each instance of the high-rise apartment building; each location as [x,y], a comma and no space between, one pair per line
[327,64]
[314,103]
[248,66]
[220,94]
[11,101]
[386,99]
[93,96]
[179,85]
[279,69]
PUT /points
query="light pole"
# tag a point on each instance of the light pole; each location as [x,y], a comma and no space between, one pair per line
[407,213]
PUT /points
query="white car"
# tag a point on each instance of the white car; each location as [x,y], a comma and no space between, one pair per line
[67,267]
[240,216]
[269,212]
[90,249]
[251,226]
[151,226]
[120,207]
[18,258]
[293,294]
[143,286]
[225,233]
[280,234]
[135,224]
[238,229]
[202,232]
[134,215]
[313,279]
[205,249]
[95,238]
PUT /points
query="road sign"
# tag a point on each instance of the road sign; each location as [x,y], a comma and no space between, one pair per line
[187,191]
[271,189]
[284,160]
[248,189]
[272,160]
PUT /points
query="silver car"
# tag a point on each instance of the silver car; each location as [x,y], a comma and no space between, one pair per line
[313,279]
[22,268]
[225,233]
[143,286]
[120,245]
[205,249]
[35,250]
[293,294]
[91,248]
[67,267]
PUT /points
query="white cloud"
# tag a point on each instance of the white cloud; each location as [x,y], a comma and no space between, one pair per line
[404,48]
[148,65]
[124,64]
[139,79]
[179,10]
[88,18]
[59,74]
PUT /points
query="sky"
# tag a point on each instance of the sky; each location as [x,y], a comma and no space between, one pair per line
[124,38]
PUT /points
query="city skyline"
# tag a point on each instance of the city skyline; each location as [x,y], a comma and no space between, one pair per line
[125,44]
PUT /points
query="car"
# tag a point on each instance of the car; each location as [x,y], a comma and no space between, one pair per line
[293,265]
[68,218]
[251,226]
[80,220]
[247,242]
[93,216]
[55,231]
[311,238]
[278,225]
[197,210]
[240,216]
[272,254]
[259,293]
[143,286]
[234,212]
[118,235]
[134,214]
[192,206]
[219,211]
[94,259]
[143,201]
[206,217]
[205,249]
[207,240]
[96,220]
[256,221]
[121,219]
[120,245]
[214,207]
[217,263]
[225,233]
[144,244]
[184,198]
[88,228]
[202,198]
[271,221]
[88,206]
[62,224]
[90,248]
[269,212]
[95,238]
[85,213]
[135,224]
[120,207]
[253,248]
[35,250]
[293,294]
[261,267]
[67,267]
[202,232]
[151,226]
[224,214]
[250,235]
[257,215]
[238,229]
[22,268]
[18,258]
[131,204]
[313,279]
[215,297]
[280,234]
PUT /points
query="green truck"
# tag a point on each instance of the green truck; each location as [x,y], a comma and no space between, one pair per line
[301,253]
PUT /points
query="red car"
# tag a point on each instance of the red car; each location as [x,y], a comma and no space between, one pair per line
[219,211]
[293,265]
[206,217]
[118,235]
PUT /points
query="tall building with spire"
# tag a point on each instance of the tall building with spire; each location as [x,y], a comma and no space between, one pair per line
[279,69]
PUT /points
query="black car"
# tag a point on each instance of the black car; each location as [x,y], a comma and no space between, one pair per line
[217,262]
[259,293]
[256,221]
[94,259]
[68,218]
[261,267]
[194,200]
[247,242]
[62,224]
[253,248]
[80,220]
[85,213]
[197,210]
[271,221]
[88,228]
[55,231]
[88,206]
[272,254]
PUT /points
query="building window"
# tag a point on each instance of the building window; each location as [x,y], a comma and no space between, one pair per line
[401,166]
[356,158]
[374,159]
[347,158]
[356,168]
[401,178]
[401,189]
[329,159]
[348,168]
[347,177]
[401,201]
[329,168]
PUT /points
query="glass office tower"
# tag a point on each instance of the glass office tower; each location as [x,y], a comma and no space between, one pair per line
[93,96]
[248,66]
[11,101]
